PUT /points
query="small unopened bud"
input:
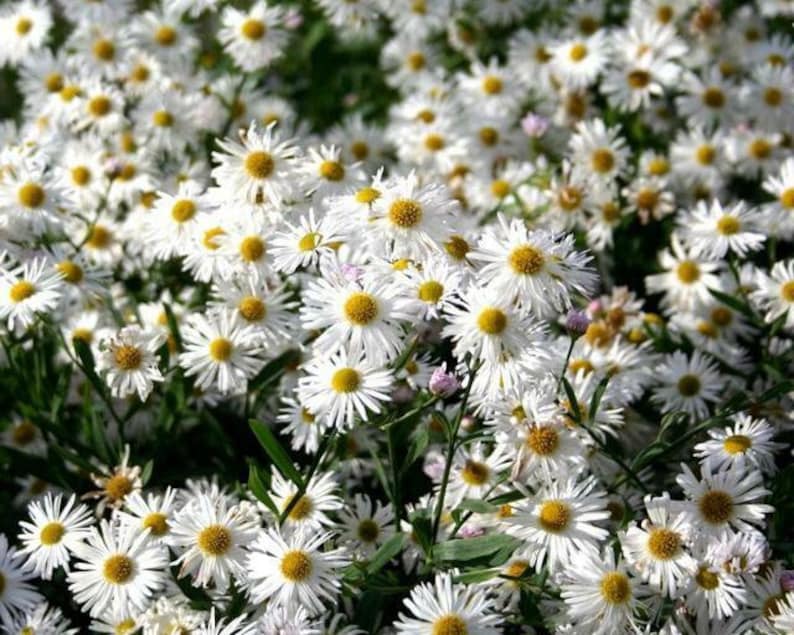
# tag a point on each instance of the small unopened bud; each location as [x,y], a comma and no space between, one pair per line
[350,272]
[471,531]
[468,423]
[534,126]
[576,322]
[443,383]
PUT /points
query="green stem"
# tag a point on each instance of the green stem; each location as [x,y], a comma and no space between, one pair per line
[307,479]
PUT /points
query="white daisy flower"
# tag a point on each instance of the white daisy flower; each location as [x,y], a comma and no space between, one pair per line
[174,220]
[578,62]
[253,38]
[323,173]
[294,571]
[49,537]
[44,620]
[18,595]
[310,512]
[598,152]
[153,512]
[475,474]
[26,290]
[748,440]
[688,384]
[713,230]
[367,525]
[129,361]
[775,293]
[310,243]
[116,569]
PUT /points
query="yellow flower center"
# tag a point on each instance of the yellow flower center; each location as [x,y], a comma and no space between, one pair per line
[426,116]
[252,309]
[760,149]
[713,97]
[569,198]
[457,247]
[663,544]
[688,385]
[214,540]
[21,291]
[434,142]
[253,29]
[156,523]
[83,335]
[23,433]
[183,210]
[309,242]
[688,271]
[210,238]
[716,507]
[615,588]
[431,291]
[118,569]
[787,291]
[221,349]
[647,198]
[127,357]
[163,119]
[307,417]
[99,106]
[489,136]
[737,444]
[117,487]
[366,195]
[638,78]
[492,321]
[492,85]
[127,172]
[345,380]
[474,473]
[52,533]
[361,308]
[578,52]
[787,198]
[773,96]
[415,61]
[296,566]
[359,150]
[705,154]
[99,237]
[405,213]
[500,188]
[602,160]
[771,607]
[165,35]
[517,568]
[104,50]
[368,530]
[332,170]
[301,509]
[554,516]
[140,73]
[728,225]
[24,25]
[526,260]
[658,167]
[706,579]
[125,626]
[53,82]
[259,164]
[252,248]
[543,440]
[721,316]
[31,195]
[81,175]
[450,624]
[68,93]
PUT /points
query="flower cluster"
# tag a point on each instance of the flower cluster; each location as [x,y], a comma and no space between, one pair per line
[420,317]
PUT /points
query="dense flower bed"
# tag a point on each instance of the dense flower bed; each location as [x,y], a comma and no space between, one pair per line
[443,317]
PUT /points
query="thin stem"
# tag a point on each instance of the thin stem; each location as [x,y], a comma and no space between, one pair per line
[571,344]
[307,479]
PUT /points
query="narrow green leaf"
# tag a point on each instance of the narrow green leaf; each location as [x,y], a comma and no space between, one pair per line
[734,303]
[173,326]
[476,576]
[462,550]
[597,395]
[146,474]
[256,484]
[276,451]
[385,553]
[573,402]
[478,506]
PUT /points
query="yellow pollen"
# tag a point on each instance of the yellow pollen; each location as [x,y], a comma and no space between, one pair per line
[578,52]
[526,260]
[450,624]
[252,248]
[296,566]
[737,444]
[253,29]
[307,417]
[68,93]
[426,116]
[31,195]
[104,50]
[598,334]
[163,119]
[127,172]
[602,160]
[577,365]
[646,198]
[688,271]
[615,588]
[156,523]
[716,507]
[489,136]
[492,321]
[707,329]
[415,61]
[125,627]
[309,242]
[663,544]
[705,154]
[688,385]
[787,198]
[117,487]
[99,106]
[543,440]
[492,85]
[221,349]
[252,309]
[81,175]
[23,433]
[210,238]
[569,198]
[664,13]
[259,164]
[84,335]
[500,188]
[457,247]
[713,97]
[405,213]
[183,210]
[773,96]
[118,569]
[127,357]
[165,35]
[368,530]
[554,516]
[301,509]
[140,73]
[53,82]
[24,25]
[431,291]
[366,195]
[359,150]
[638,79]
[728,225]
[346,380]
[760,149]
[434,142]
[610,211]
[706,579]
[658,167]
[99,237]
[505,511]
[214,540]
[332,170]
[517,568]
[361,308]
[52,533]
[21,291]
[474,473]
[721,316]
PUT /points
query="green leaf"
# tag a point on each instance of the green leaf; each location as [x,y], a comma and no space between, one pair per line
[172,325]
[478,506]
[597,395]
[423,528]
[146,474]
[276,451]
[476,576]
[258,487]
[385,553]
[734,303]
[462,550]
[573,402]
